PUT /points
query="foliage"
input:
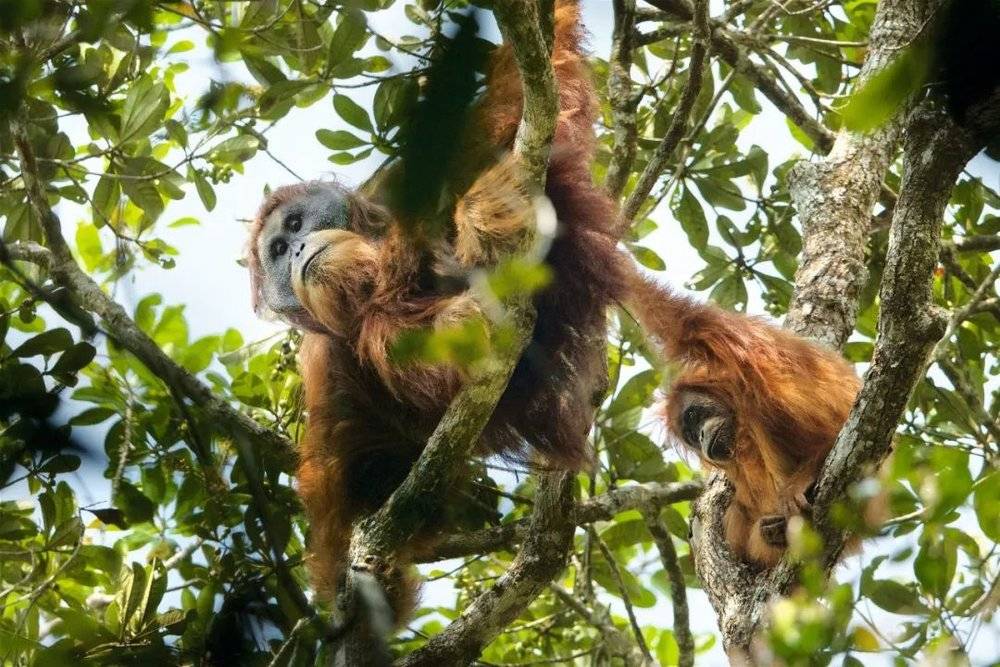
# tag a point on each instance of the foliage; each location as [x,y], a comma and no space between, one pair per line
[171,557]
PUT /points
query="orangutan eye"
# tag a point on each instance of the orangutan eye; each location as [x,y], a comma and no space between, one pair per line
[293,223]
[692,419]
[278,248]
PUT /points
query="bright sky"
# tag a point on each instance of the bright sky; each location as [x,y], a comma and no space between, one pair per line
[215,289]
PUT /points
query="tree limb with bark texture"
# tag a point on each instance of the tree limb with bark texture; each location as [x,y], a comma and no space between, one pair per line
[834,198]
[380,537]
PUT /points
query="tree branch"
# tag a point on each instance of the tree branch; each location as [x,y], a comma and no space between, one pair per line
[834,198]
[622,98]
[728,44]
[452,441]
[678,593]
[623,594]
[541,558]
[678,124]
[985,243]
[26,251]
[88,295]
[378,538]
[599,508]
[935,151]
[617,642]
[521,23]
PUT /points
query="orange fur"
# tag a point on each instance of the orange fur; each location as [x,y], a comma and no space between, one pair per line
[369,418]
[789,398]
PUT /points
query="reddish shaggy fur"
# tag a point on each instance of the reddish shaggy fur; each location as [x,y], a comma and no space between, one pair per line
[368,418]
[789,398]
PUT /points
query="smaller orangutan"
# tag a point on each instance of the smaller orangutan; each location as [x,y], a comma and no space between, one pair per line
[754,401]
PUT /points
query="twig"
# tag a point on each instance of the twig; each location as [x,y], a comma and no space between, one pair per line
[617,641]
[624,102]
[600,508]
[678,592]
[966,311]
[727,42]
[285,652]
[541,558]
[658,34]
[622,592]
[984,243]
[664,151]
[89,296]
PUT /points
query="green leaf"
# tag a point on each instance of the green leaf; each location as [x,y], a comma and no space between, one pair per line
[181,46]
[88,245]
[893,596]
[350,35]
[648,258]
[105,199]
[92,416]
[173,622]
[340,140]
[986,502]
[184,222]
[757,159]
[145,312]
[45,344]
[172,327]
[637,392]
[130,500]
[61,463]
[639,594]
[352,112]
[667,651]
[73,359]
[394,99]
[730,292]
[111,516]
[144,194]
[626,533]
[198,355]
[236,149]
[145,105]
[635,456]
[689,213]
[721,192]
[935,565]
[205,191]
[68,532]
[878,99]
[232,340]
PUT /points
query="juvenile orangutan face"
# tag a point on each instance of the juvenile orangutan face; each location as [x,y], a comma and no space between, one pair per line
[309,255]
[704,424]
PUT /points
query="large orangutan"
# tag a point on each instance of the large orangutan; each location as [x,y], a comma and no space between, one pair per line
[754,401]
[340,267]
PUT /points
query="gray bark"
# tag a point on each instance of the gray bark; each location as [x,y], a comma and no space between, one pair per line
[834,198]
[541,558]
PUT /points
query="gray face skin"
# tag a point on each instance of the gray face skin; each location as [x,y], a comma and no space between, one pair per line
[283,241]
[707,425]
